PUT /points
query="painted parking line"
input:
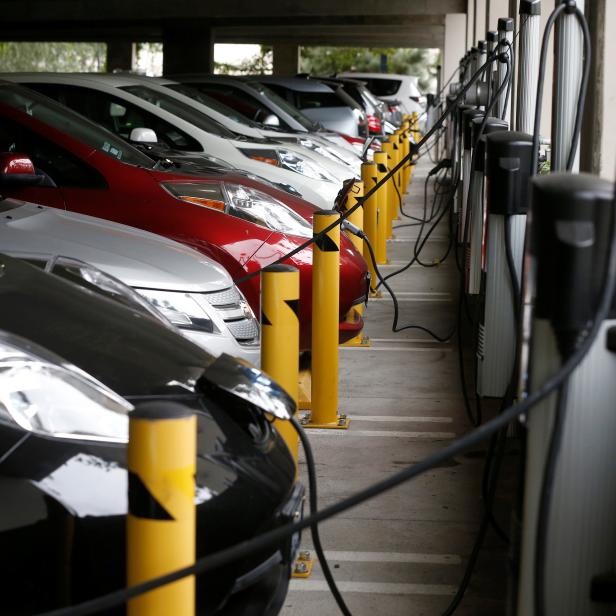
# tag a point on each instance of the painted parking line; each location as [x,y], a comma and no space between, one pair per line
[404,418]
[407,340]
[399,264]
[387,298]
[393,557]
[424,436]
[421,294]
[374,588]
[399,240]
[396,349]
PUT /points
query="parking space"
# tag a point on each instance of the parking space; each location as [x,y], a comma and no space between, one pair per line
[403,553]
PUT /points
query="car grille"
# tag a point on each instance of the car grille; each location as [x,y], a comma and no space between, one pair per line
[236,313]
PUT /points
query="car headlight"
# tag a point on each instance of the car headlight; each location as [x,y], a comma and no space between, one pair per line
[181,309]
[92,279]
[242,202]
[298,163]
[323,150]
[261,209]
[43,394]
[291,161]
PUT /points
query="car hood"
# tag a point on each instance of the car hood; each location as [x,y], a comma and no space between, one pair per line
[129,351]
[138,258]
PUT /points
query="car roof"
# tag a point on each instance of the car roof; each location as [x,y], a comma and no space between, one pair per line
[239,81]
[360,74]
[111,79]
[298,84]
[342,81]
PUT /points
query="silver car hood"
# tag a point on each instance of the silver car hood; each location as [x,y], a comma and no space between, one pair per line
[137,258]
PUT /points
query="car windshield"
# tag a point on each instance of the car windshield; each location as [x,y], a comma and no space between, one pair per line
[383,87]
[180,109]
[295,113]
[63,119]
[212,103]
[370,96]
[345,97]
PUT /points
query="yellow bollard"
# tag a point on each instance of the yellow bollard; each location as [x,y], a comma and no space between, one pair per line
[356,218]
[280,337]
[392,197]
[396,176]
[325,315]
[369,177]
[406,172]
[380,250]
[402,153]
[415,125]
[161,523]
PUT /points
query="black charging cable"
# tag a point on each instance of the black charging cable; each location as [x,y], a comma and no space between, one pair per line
[569,7]
[433,460]
[415,148]
[395,328]
[420,243]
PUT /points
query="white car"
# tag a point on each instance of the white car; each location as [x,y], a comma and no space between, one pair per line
[259,103]
[194,293]
[325,154]
[106,100]
[334,109]
[390,87]
[329,154]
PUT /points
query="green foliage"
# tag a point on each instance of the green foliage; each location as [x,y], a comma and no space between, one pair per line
[330,60]
[258,64]
[545,168]
[61,57]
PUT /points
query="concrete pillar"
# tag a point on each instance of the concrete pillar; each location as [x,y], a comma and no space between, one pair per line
[547,6]
[514,13]
[597,147]
[480,20]
[494,10]
[188,48]
[455,43]
[608,155]
[120,56]
[286,59]
[568,50]
[470,24]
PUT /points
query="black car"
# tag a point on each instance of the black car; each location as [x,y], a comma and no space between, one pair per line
[71,364]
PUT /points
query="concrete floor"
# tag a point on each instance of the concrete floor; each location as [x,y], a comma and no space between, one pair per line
[403,554]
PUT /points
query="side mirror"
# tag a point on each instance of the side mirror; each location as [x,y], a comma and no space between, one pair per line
[240,379]
[271,120]
[367,146]
[17,170]
[143,135]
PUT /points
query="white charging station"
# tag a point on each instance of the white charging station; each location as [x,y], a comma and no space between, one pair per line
[568,248]
[475,250]
[508,161]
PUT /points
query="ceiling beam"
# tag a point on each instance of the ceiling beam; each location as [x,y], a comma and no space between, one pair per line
[383,36]
[92,11]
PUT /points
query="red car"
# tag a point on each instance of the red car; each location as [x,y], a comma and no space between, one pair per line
[240,222]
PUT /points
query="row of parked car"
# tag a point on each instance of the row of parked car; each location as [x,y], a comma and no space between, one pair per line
[131,210]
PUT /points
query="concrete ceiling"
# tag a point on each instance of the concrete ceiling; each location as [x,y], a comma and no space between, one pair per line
[371,23]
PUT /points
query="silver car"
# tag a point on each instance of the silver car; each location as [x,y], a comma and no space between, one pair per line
[190,291]
[260,104]
[331,108]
